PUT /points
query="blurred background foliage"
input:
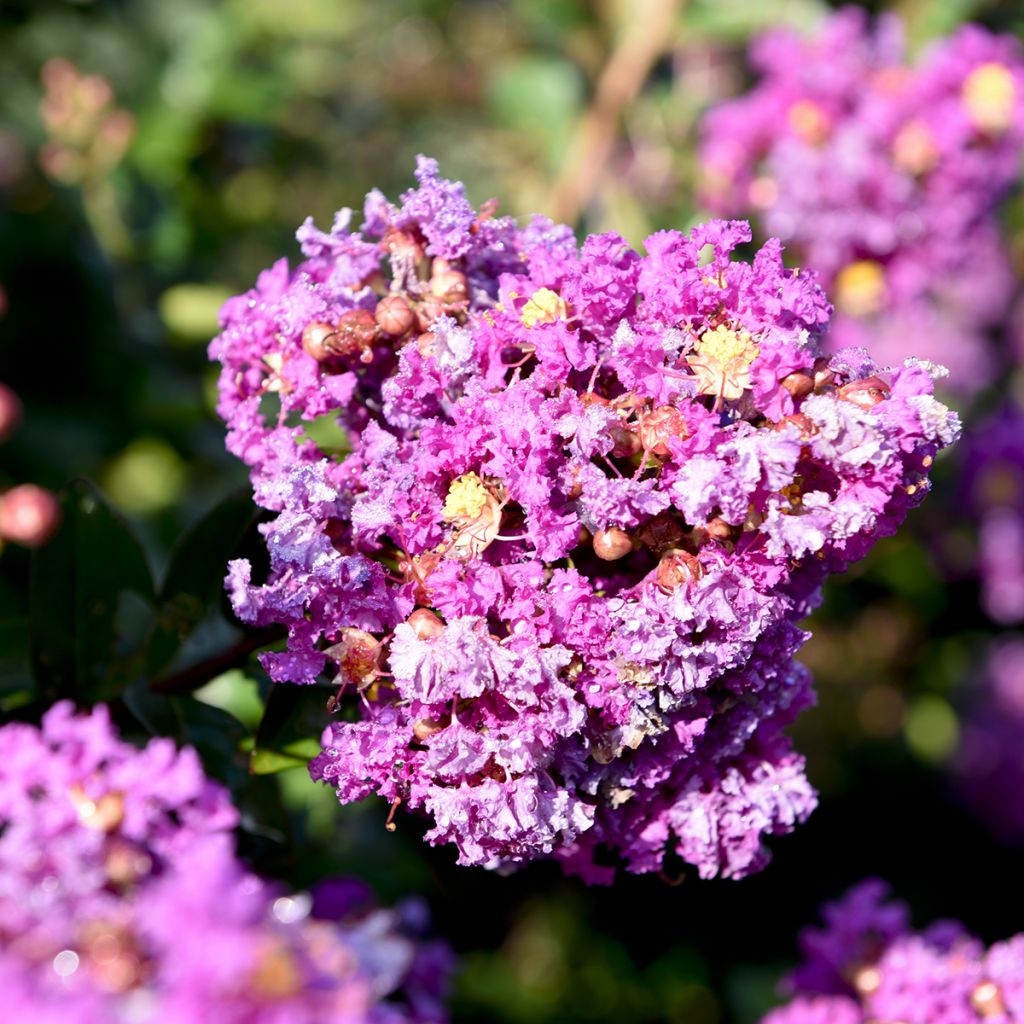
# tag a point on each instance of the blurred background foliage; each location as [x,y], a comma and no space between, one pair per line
[153,158]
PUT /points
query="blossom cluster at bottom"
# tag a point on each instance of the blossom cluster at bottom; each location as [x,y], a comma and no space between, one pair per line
[868,966]
[121,899]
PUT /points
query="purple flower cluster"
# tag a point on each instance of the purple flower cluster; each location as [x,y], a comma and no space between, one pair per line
[884,177]
[587,498]
[867,966]
[121,900]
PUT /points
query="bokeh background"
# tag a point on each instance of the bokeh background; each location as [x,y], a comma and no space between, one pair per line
[155,156]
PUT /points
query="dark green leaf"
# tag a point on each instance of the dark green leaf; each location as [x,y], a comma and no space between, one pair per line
[80,587]
[289,732]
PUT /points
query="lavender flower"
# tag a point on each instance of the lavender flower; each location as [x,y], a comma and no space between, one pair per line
[867,965]
[884,177]
[560,570]
[121,899]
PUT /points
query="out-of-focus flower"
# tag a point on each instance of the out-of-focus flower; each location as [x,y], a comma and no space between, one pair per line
[87,134]
[588,496]
[868,965]
[121,899]
[29,515]
[884,177]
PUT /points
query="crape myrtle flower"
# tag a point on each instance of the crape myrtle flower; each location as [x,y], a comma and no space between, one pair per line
[884,177]
[559,573]
[121,899]
[988,767]
[867,965]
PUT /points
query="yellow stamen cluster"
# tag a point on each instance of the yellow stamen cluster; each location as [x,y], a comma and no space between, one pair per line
[990,95]
[860,288]
[544,307]
[721,361]
[467,498]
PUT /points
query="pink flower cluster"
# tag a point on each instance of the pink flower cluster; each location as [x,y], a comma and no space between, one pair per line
[121,899]
[868,966]
[586,497]
[885,177]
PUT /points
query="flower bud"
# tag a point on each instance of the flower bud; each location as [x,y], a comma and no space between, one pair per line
[425,624]
[802,422]
[450,285]
[428,311]
[357,654]
[125,862]
[799,385]
[866,393]
[28,515]
[823,376]
[394,316]
[660,426]
[612,544]
[104,814]
[355,333]
[425,344]
[315,338]
[718,529]
[424,728]
[10,412]
[677,567]
[988,1001]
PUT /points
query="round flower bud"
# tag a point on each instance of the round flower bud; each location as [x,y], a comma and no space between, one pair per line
[425,624]
[866,393]
[28,515]
[355,333]
[10,412]
[823,376]
[799,385]
[612,543]
[718,529]
[802,422]
[677,567]
[394,315]
[315,340]
[450,285]
[661,425]
[429,310]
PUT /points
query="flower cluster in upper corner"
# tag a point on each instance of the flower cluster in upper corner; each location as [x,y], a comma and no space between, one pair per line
[885,177]
[122,900]
[586,497]
[869,965]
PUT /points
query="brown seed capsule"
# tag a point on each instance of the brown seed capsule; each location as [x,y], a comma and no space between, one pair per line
[661,532]
[866,393]
[676,568]
[425,624]
[28,515]
[450,285]
[612,544]
[799,385]
[660,426]
[315,337]
[394,316]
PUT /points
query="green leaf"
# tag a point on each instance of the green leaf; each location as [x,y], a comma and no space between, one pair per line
[289,732]
[79,590]
[194,581]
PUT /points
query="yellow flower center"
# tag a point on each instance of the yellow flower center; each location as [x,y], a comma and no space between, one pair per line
[721,361]
[544,307]
[860,288]
[989,95]
[467,498]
